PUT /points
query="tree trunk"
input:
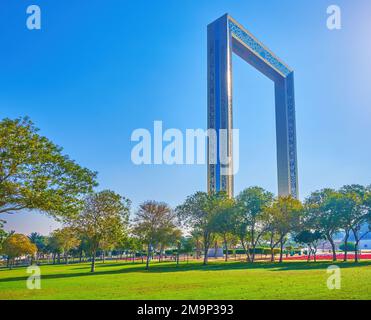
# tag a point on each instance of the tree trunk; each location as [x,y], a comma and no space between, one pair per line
[333,248]
[148,255]
[246,250]
[253,254]
[178,254]
[66,258]
[346,245]
[281,252]
[272,246]
[198,250]
[356,244]
[207,240]
[93,262]
[226,250]
[206,258]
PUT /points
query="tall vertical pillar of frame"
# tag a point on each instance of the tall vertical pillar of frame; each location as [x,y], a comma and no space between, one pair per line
[219,55]
[286,137]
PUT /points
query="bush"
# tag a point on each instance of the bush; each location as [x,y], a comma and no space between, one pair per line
[259,250]
[350,246]
[229,251]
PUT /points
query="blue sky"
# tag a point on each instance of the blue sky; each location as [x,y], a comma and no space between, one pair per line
[98,69]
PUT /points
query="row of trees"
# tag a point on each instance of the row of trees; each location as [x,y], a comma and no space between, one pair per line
[254,218]
[35,175]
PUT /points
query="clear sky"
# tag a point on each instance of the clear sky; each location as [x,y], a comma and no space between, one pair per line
[98,69]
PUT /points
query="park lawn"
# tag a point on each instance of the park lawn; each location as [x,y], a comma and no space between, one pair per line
[219,280]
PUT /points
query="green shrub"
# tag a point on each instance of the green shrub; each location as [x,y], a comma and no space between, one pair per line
[229,251]
[350,246]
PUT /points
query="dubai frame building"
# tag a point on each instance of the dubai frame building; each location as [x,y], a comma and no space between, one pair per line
[225,37]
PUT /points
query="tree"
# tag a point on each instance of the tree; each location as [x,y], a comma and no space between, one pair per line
[186,245]
[84,248]
[323,209]
[251,204]
[105,216]
[198,212]
[286,213]
[271,235]
[169,237]
[196,238]
[34,174]
[311,239]
[39,241]
[176,240]
[17,245]
[67,239]
[54,246]
[224,221]
[130,245]
[357,213]
[342,204]
[3,233]
[152,220]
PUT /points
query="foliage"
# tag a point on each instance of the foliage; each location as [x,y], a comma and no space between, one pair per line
[324,209]
[3,233]
[39,241]
[198,212]
[66,239]
[34,174]
[350,246]
[18,245]
[154,223]
[103,220]
[284,217]
[357,213]
[251,205]
[308,237]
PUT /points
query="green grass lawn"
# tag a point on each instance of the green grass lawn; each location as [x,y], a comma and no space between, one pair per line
[219,280]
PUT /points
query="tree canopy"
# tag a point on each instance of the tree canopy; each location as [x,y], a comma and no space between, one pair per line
[34,174]
[104,219]
[17,245]
[199,211]
[154,223]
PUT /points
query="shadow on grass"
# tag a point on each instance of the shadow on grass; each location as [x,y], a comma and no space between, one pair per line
[168,267]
